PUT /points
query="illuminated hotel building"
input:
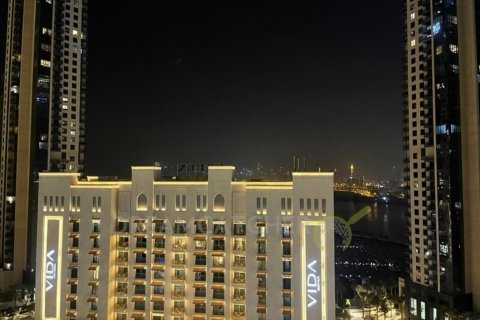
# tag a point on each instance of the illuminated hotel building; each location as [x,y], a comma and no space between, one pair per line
[155,249]
[42,117]
[443,156]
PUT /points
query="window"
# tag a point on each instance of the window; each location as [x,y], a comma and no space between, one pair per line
[239,245]
[200,276]
[239,261]
[200,227]
[45,63]
[287,266]
[219,203]
[219,261]
[96,225]
[158,274]
[96,204]
[413,306]
[262,282]
[261,231]
[412,43]
[180,227]
[179,243]
[218,277]
[239,229]
[218,228]
[261,248]
[142,202]
[287,283]
[218,293]
[262,205]
[200,291]
[160,226]
[200,245]
[181,202]
[218,310]
[179,274]
[179,258]
[158,305]
[201,260]
[286,232]
[200,308]
[287,249]
[218,244]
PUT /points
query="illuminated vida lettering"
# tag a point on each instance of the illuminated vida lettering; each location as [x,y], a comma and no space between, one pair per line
[50,270]
[313,283]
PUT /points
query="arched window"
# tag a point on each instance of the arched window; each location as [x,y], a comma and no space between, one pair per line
[219,203]
[142,202]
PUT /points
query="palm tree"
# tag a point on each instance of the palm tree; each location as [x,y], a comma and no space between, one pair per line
[363,294]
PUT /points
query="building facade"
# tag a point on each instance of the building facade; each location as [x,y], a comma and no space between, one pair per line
[42,116]
[216,249]
[441,139]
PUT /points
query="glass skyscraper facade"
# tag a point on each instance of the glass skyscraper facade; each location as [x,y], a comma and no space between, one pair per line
[441,156]
[42,116]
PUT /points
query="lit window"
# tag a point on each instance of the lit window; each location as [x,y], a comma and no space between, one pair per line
[64,107]
[45,63]
[453,48]
[436,28]
[412,43]
[452,19]
[438,50]
[73,132]
[47,31]
[74,32]
[45,47]
[412,15]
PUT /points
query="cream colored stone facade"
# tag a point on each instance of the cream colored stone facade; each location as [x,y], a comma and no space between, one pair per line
[216,249]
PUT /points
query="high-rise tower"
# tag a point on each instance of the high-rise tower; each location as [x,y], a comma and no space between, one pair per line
[442,143]
[42,116]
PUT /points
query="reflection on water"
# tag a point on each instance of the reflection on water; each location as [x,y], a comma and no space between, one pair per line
[386,221]
[379,245]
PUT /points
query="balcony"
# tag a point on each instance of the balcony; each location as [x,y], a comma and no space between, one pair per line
[178,262]
[178,294]
[238,280]
[178,277]
[120,307]
[179,246]
[262,283]
[239,248]
[178,310]
[239,297]
[239,264]
[122,276]
[121,291]
[262,301]
[123,246]
[238,314]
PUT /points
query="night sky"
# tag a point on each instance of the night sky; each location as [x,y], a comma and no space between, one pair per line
[242,82]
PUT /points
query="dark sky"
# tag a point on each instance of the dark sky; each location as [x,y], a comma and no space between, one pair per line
[242,82]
